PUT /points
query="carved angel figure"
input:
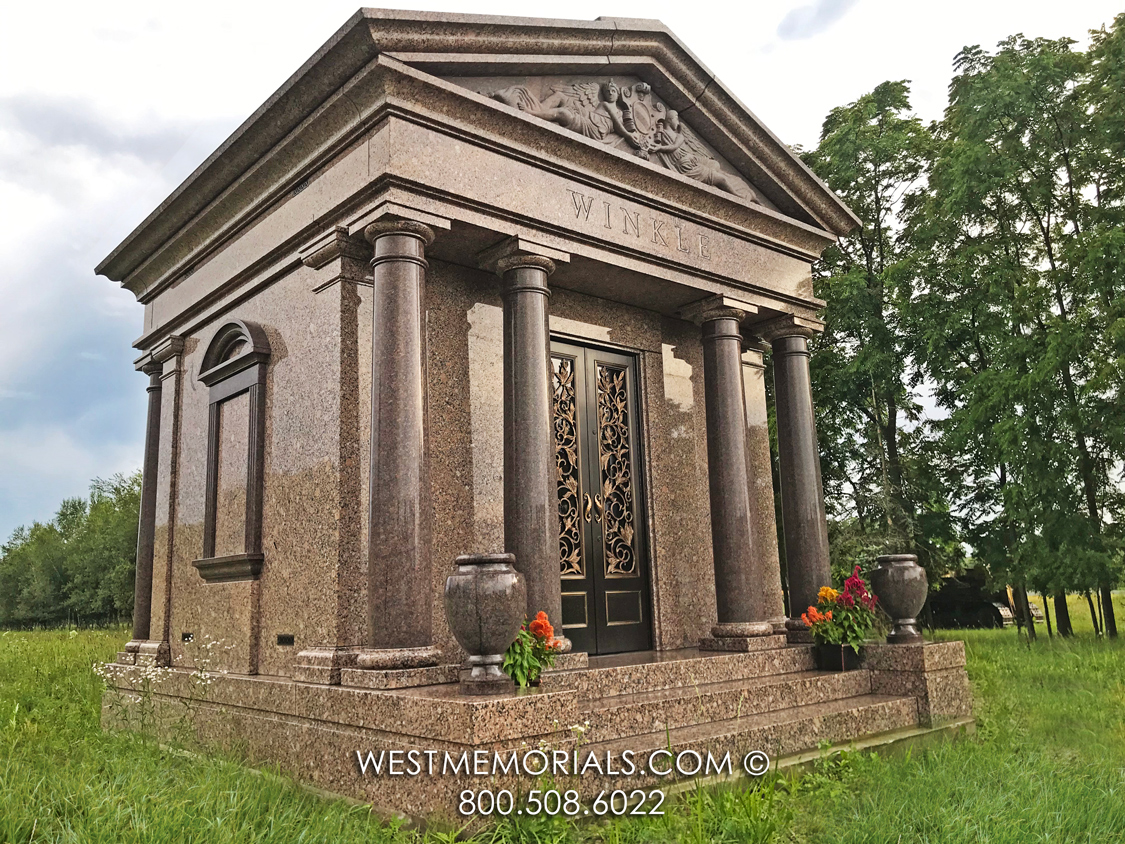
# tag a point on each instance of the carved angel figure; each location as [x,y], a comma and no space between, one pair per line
[589,108]
[677,148]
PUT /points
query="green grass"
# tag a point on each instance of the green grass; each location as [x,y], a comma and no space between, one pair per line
[1047,764]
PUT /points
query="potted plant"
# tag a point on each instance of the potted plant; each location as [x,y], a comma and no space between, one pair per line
[533,650]
[840,622]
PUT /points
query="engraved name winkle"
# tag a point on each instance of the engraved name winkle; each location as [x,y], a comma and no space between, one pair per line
[670,235]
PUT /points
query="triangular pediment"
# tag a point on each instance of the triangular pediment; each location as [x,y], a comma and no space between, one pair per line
[670,113]
[622,112]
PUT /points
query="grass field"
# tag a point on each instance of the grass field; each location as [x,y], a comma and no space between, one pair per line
[1047,764]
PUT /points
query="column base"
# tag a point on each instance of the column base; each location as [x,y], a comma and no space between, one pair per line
[154,653]
[323,665]
[741,644]
[741,629]
[797,632]
[389,659]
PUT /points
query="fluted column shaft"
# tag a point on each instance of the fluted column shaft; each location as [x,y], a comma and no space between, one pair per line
[531,509]
[399,577]
[146,528]
[732,540]
[802,494]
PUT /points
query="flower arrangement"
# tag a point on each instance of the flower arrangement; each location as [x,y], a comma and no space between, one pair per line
[842,618]
[533,650]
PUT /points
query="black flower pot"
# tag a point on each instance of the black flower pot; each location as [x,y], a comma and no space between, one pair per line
[836,658]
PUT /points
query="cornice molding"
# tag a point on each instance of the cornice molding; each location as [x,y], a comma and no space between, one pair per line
[371,33]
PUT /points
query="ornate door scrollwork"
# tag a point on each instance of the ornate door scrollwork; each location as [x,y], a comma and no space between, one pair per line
[566,463]
[615,462]
[601,553]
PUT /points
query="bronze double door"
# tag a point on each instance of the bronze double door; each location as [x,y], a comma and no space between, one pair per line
[603,557]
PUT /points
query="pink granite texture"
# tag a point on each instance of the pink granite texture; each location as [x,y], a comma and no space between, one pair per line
[933,673]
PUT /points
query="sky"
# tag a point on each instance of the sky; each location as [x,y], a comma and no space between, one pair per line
[106,107]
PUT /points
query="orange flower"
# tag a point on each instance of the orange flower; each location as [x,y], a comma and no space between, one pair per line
[541,627]
[815,616]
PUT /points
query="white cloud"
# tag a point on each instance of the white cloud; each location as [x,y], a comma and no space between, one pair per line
[807,21]
[44,465]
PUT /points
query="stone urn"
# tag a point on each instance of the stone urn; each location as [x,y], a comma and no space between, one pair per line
[901,587]
[485,602]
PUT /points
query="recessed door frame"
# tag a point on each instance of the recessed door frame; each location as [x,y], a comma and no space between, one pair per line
[595,586]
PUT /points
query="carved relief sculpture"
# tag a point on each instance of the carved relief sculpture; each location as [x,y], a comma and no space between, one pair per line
[625,117]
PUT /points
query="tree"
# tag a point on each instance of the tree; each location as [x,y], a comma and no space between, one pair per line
[877,464]
[1009,319]
[80,565]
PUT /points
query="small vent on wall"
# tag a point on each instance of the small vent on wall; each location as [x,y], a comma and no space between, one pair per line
[285,639]
[187,637]
[300,187]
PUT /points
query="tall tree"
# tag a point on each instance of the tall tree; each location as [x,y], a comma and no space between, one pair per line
[1007,318]
[879,478]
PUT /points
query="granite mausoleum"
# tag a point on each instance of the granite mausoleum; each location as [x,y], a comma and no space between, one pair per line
[475,284]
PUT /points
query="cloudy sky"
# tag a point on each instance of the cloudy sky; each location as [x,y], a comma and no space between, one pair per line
[106,107]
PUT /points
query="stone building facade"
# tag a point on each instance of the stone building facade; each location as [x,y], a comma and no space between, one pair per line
[471,284]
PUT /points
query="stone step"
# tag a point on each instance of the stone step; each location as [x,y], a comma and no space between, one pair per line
[778,734]
[619,716]
[630,674]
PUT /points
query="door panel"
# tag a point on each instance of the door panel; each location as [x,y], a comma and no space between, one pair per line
[602,556]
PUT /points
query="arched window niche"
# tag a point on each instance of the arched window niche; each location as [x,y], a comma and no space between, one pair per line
[234,370]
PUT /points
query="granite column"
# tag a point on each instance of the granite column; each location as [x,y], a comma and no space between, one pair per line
[802,494]
[146,528]
[732,535]
[167,358]
[531,507]
[769,599]
[399,578]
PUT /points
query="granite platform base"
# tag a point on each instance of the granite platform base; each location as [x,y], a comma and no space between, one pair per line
[413,749]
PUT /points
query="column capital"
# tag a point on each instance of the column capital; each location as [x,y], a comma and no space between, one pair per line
[786,325]
[154,371]
[717,307]
[395,225]
[337,256]
[170,347]
[333,244]
[524,260]
[148,366]
[515,252]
